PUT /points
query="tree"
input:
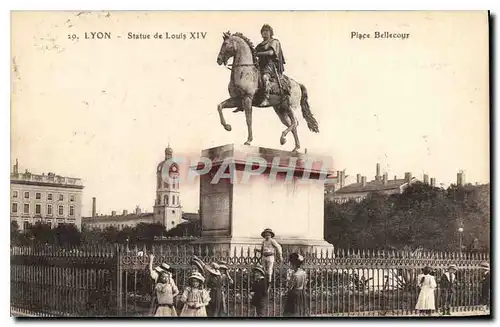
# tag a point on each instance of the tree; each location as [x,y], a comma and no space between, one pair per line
[421,216]
[67,234]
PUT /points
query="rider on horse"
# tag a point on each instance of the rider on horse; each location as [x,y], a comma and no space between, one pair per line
[271,61]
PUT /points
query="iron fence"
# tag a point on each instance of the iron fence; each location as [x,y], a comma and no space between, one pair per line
[114,280]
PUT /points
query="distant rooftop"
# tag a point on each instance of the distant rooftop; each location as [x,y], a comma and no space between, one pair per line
[48,179]
[374,186]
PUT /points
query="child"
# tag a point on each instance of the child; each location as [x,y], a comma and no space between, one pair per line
[166,291]
[427,284]
[195,297]
[214,285]
[259,291]
[295,303]
[269,249]
[226,282]
[155,274]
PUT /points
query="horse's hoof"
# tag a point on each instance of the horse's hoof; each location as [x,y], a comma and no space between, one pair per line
[282,140]
[227,127]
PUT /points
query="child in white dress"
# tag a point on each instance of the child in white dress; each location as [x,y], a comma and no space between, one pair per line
[427,284]
[195,297]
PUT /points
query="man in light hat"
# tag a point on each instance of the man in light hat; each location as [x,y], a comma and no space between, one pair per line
[447,289]
[269,249]
[485,284]
[226,282]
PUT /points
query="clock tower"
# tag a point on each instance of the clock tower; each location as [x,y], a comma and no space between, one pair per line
[167,208]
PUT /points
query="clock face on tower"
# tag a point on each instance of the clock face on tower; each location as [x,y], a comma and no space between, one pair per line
[174,170]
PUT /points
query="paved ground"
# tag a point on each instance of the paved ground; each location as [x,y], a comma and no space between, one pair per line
[15,313]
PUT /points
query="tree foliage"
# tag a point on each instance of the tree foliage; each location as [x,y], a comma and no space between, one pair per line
[423,216]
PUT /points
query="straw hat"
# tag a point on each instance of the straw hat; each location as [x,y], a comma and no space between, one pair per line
[484,265]
[267,230]
[213,268]
[163,268]
[197,276]
[260,269]
[196,262]
[223,265]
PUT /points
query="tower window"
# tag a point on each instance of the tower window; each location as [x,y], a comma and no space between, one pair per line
[173,200]
[165,199]
[173,212]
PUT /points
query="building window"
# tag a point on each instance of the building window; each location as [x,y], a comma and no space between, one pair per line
[26,195]
[173,200]
[173,223]
[173,212]
[61,210]
[71,211]
[61,197]
[27,208]
[14,194]
[26,225]
[38,195]
[72,198]
[14,207]
[165,199]
[49,196]
[38,209]
[49,209]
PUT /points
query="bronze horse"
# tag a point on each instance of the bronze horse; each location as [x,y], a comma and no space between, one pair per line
[244,88]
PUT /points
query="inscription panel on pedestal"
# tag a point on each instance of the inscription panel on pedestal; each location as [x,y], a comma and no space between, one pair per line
[215,207]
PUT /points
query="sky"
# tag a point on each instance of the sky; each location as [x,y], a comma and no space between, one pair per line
[105,110]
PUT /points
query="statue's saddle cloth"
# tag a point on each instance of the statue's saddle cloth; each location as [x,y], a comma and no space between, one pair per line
[275,86]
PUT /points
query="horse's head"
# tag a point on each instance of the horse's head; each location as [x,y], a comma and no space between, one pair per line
[227,50]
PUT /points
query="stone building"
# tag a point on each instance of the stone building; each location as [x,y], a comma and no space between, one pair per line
[47,198]
[381,184]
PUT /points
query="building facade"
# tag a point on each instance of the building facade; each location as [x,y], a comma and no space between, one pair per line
[118,221]
[46,198]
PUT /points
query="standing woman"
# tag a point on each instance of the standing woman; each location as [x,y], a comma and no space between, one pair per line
[295,303]
[427,284]
[166,291]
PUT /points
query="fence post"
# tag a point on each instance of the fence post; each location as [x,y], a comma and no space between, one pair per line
[119,282]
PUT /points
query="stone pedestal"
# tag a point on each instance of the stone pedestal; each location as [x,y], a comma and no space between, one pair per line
[288,196]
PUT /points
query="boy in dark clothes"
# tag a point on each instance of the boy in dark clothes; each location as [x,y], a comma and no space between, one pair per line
[259,291]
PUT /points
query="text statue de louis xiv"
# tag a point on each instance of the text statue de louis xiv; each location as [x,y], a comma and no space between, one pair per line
[257,80]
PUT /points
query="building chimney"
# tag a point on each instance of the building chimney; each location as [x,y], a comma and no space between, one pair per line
[358,178]
[433,182]
[461,178]
[125,212]
[16,167]
[341,175]
[137,210]
[377,171]
[395,177]
[426,179]
[93,207]
[385,178]
[363,181]
[113,213]
[407,177]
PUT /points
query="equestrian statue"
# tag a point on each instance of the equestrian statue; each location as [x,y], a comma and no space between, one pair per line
[257,80]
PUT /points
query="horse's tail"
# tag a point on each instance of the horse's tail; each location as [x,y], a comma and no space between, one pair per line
[312,123]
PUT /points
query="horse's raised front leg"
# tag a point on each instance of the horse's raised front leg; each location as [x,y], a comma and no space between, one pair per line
[228,103]
[247,106]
